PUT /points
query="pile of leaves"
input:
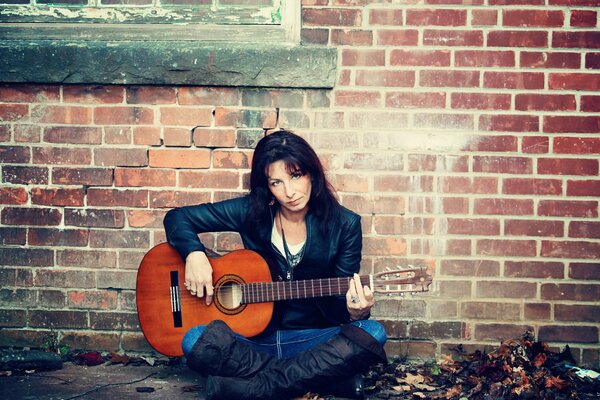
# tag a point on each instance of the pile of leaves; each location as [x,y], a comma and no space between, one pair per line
[518,369]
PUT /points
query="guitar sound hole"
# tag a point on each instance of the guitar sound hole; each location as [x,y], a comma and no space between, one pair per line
[229,295]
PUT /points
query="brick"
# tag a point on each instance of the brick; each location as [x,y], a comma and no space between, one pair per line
[533,269]
[5,132]
[503,289]
[61,155]
[125,157]
[117,135]
[576,39]
[449,79]
[571,124]
[592,61]
[82,176]
[397,37]
[415,100]
[114,320]
[13,112]
[86,258]
[574,249]
[444,121]
[15,154]
[54,114]
[144,177]
[29,93]
[460,184]
[535,144]
[95,340]
[383,246]
[536,311]
[389,225]
[145,135]
[231,159]
[52,298]
[145,219]
[567,166]
[384,16]
[509,123]
[171,199]
[178,137]
[568,208]
[21,298]
[150,95]
[116,279]
[93,94]
[347,98]
[387,183]
[12,318]
[57,319]
[13,196]
[22,337]
[329,120]
[540,187]
[461,38]
[73,135]
[480,101]
[31,216]
[436,58]
[351,37]
[484,58]
[209,96]
[533,228]
[496,143]
[385,78]
[513,80]
[503,206]
[96,300]
[543,18]
[65,279]
[377,120]
[473,226]
[209,179]
[96,218]
[364,58]
[123,116]
[12,236]
[294,120]
[331,17]
[57,237]
[577,313]
[114,197]
[455,205]
[516,39]
[573,81]
[484,17]
[568,334]
[584,229]
[57,197]
[588,271]
[576,145]
[490,310]
[131,259]
[583,18]
[499,332]
[506,248]
[470,268]
[314,36]
[590,103]
[542,102]
[185,116]
[273,98]
[583,188]
[26,257]
[446,17]
[438,330]
[24,133]
[166,158]
[503,165]
[208,137]
[244,118]
[119,239]
[419,350]
[543,59]
[395,309]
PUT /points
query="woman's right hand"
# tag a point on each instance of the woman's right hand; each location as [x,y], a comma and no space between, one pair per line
[198,275]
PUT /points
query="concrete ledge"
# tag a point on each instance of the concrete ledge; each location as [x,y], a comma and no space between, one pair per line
[167,63]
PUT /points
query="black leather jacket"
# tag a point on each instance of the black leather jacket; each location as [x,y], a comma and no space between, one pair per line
[335,253]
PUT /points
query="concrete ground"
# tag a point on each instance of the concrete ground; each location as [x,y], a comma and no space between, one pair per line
[114,382]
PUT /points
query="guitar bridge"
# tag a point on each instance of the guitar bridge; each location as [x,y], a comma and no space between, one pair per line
[176,300]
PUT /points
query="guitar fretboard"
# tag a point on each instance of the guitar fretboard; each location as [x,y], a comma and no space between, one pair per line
[289,290]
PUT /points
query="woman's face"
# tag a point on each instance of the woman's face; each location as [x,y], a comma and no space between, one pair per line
[292,191]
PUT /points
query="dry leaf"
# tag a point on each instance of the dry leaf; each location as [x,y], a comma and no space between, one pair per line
[557,382]
[116,358]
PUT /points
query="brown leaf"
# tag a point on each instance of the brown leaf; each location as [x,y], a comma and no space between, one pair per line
[556,382]
[454,391]
[116,358]
[539,360]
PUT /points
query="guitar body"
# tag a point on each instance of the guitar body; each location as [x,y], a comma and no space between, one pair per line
[166,310]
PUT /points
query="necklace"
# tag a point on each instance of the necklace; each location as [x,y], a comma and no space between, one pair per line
[292,260]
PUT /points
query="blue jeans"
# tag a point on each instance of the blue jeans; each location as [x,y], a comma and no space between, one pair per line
[288,343]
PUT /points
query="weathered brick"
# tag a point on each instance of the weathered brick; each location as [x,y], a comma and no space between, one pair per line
[116,279]
[27,133]
[473,226]
[12,318]
[97,218]
[484,17]
[121,157]
[57,197]
[412,349]
[52,298]
[568,334]
[437,330]
[29,93]
[522,227]
[145,218]
[13,112]
[458,247]
[589,271]
[571,124]
[574,249]
[506,247]
[21,337]
[539,187]
[31,216]
[490,310]
[449,78]
[390,225]
[567,166]
[57,319]
[117,135]
[61,155]
[415,100]
[584,229]
[454,289]
[509,123]
[146,135]
[16,297]
[480,101]
[568,208]
[177,137]
[57,237]
[170,199]
[397,37]
[135,342]
[242,118]
[484,58]
[583,18]
[97,340]
[576,39]
[463,38]
[114,197]
[314,36]
[82,176]
[73,135]
[545,102]
[144,177]
[63,114]
[583,188]
[13,195]
[576,145]
[385,308]
[385,78]
[570,291]
[537,311]
[273,98]
[119,239]
[123,115]
[534,269]
[385,16]
[496,143]
[15,154]
[209,96]
[446,17]
[367,57]
[114,321]
[505,165]
[539,59]
[210,179]
[96,300]
[535,144]
[65,279]
[150,95]
[503,206]
[505,289]
[331,16]
[499,332]
[577,313]
[86,258]
[93,94]
[574,81]
[10,235]
[544,18]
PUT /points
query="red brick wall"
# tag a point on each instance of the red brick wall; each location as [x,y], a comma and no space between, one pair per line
[466,133]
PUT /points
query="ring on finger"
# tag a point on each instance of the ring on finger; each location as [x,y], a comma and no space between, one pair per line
[354,299]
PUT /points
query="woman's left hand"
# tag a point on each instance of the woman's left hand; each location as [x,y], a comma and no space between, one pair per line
[359,299]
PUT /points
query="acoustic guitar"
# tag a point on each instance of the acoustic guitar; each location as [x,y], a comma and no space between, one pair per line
[243,294]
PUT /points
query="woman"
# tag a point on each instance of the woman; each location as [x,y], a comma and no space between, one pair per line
[291,216]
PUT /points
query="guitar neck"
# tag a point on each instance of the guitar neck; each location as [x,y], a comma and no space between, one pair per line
[261,292]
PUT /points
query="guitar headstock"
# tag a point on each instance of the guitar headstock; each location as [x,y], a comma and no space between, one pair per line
[402,280]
